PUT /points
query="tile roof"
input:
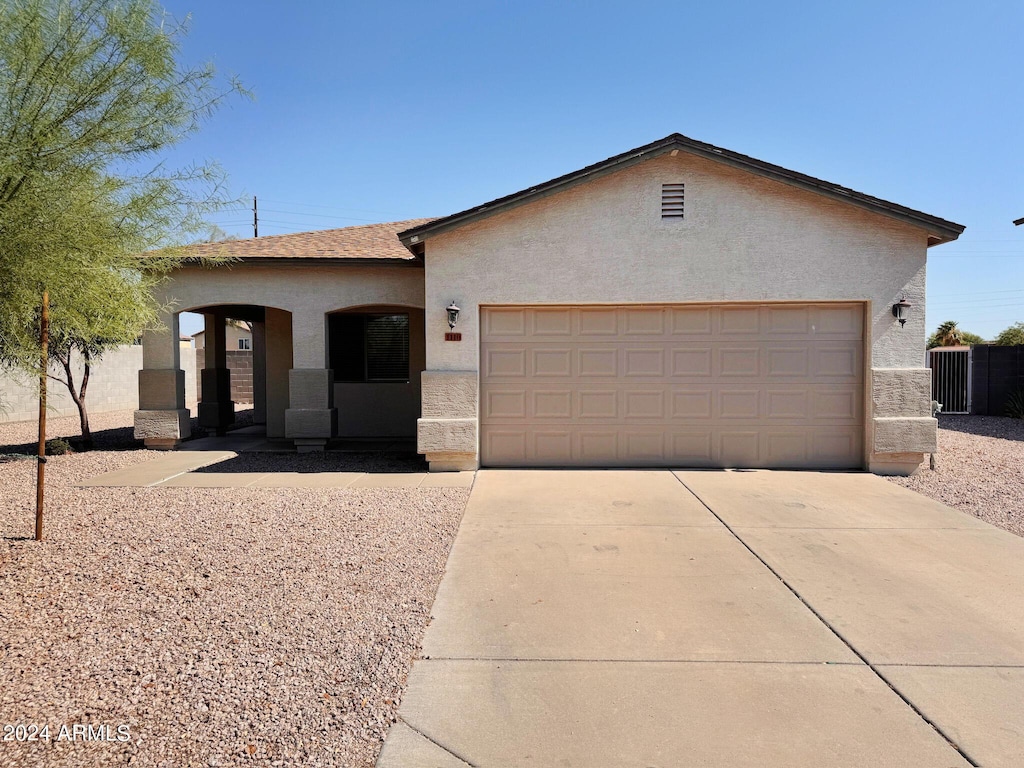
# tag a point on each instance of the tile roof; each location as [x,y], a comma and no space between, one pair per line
[368,241]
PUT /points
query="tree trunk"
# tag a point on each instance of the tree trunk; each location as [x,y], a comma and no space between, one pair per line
[78,396]
[83,414]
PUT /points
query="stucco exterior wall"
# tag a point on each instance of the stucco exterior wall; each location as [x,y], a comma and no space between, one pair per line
[309,292]
[744,238]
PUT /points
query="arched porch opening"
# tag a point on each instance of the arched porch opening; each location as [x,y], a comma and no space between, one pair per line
[247,353]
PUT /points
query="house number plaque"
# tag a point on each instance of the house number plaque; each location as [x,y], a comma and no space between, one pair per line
[453,337]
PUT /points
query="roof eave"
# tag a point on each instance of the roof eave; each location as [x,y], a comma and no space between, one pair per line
[406,261]
[939,230]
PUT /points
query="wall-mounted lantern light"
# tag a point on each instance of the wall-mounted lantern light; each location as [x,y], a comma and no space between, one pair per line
[901,309]
[453,314]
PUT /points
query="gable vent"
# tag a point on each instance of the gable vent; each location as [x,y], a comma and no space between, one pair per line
[672,201]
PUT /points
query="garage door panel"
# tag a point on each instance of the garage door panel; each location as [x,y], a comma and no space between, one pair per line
[786,321]
[507,445]
[690,362]
[787,362]
[504,362]
[597,447]
[691,321]
[644,322]
[837,405]
[833,448]
[548,323]
[690,404]
[741,447]
[645,361]
[642,446]
[739,361]
[549,362]
[644,404]
[789,404]
[598,404]
[739,320]
[600,362]
[703,385]
[505,323]
[837,361]
[692,448]
[598,321]
[551,446]
[785,449]
[838,322]
[504,404]
[739,404]
[552,404]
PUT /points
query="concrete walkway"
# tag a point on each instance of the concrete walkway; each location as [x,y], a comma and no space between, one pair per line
[651,618]
[177,469]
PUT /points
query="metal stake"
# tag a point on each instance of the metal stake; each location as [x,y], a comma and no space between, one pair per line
[44,341]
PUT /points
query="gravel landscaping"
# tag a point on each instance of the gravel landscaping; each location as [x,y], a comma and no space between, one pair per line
[221,626]
[980,469]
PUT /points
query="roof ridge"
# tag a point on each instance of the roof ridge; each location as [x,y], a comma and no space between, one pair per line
[940,230]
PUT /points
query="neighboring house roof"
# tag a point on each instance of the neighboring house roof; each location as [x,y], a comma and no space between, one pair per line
[939,230]
[368,241]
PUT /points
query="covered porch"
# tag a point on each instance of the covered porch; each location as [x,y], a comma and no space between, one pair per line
[338,340]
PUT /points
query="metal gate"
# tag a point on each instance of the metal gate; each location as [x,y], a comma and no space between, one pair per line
[951,379]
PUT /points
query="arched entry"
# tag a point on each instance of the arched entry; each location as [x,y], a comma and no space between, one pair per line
[247,353]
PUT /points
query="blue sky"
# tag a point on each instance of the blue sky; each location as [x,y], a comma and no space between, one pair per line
[379,111]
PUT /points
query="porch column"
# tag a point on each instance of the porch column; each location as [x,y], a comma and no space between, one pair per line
[217,410]
[311,419]
[162,420]
[259,372]
[278,337]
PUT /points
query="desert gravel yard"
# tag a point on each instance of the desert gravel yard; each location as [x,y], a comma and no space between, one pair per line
[221,626]
[980,469]
[264,626]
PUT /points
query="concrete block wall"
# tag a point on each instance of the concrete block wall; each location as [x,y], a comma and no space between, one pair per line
[239,363]
[113,386]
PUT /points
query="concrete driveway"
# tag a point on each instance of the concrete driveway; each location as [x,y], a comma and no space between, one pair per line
[655,618]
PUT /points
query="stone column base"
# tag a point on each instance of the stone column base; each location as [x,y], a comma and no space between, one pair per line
[895,463]
[162,430]
[310,428]
[452,462]
[310,444]
[217,409]
[217,416]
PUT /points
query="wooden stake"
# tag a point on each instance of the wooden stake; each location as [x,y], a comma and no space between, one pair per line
[44,342]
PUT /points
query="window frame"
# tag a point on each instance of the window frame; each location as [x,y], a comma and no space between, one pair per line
[363,319]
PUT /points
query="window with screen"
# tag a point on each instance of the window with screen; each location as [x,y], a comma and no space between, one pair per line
[369,348]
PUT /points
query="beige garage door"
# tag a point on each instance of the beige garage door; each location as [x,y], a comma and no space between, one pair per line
[773,385]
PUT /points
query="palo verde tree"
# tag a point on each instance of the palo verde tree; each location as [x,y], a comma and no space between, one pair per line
[91,96]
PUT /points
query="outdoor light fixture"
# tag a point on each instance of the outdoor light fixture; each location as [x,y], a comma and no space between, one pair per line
[453,314]
[901,309]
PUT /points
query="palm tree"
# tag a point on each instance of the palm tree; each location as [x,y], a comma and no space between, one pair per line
[948,334]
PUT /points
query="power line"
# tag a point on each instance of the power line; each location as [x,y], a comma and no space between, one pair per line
[327,207]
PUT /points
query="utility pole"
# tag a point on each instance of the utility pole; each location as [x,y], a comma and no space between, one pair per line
[255,219]
[44,341]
